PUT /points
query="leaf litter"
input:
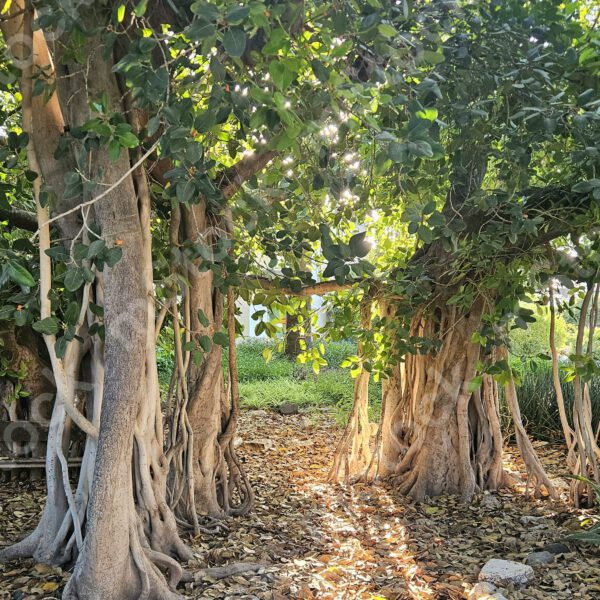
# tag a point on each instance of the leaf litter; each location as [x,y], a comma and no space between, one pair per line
[322,540]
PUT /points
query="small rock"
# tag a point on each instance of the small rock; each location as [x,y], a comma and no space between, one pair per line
[538,559]
[264,443]
[485,591]
[481,590]
[490,502]
[557,548]
[237,441]
[505,572]
[511,542]
[258,413]
[287,408]
[531,519]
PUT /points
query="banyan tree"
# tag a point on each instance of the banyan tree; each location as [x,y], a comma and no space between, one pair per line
[164,158]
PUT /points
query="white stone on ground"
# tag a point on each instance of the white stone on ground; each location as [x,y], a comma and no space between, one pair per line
[505,572]
[485,591]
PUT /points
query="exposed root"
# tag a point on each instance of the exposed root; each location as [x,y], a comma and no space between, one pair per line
[537,478]
[222,572]
[441,436]
[235,490]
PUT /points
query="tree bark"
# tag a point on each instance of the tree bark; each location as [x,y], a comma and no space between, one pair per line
[130,533]
[117,523]
[440,437]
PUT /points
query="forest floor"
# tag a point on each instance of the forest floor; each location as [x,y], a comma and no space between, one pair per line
[319,540]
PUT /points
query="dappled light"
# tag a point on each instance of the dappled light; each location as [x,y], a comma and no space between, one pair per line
[299,300]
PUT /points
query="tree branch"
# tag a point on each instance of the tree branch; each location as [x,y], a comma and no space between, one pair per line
[314,289]
[228,181]
[232,179]
[22,219]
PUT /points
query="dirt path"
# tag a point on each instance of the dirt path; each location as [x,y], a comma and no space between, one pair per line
[322,541]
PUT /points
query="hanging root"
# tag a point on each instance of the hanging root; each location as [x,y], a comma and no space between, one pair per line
[353,459]
[537,478]
[235,491]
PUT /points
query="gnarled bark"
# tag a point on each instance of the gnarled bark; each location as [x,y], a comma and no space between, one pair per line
[203,410]
[353,456]
[117,523]
[440,436]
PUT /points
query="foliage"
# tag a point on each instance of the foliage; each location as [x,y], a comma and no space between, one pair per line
[533,341]
[266,387]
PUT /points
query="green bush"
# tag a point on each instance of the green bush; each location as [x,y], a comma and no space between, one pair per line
[530,342]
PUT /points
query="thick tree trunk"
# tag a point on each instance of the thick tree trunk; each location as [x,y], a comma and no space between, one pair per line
[440,437]
[130,531]
[117,522]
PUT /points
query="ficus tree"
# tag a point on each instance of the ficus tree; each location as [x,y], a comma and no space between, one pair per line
[479,150]
[178,156]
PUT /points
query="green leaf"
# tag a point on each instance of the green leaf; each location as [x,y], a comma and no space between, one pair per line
[398,152]
[95,248]
[114,150]
[20,274]
[283,72]
[583,187]
[47,326]
[59,253]
[475,384]
[203,318]
[359,245]
[74,279]
[113,256]
[221,339]
[234,42]
[387,30]
[140,9]
[277,40]
[320,70]
[237,14]
[60,347]
[72,313]
[420,148]
[429,207]
[6,312]
[429,114]
[205,343]
[121,13]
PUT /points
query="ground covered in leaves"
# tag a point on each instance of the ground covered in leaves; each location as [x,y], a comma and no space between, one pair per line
[319,540]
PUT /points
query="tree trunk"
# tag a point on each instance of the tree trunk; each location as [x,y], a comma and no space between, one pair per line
[440,437]
[353,456]
[292,336]
[204,411]
[117,522]
[130,530]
